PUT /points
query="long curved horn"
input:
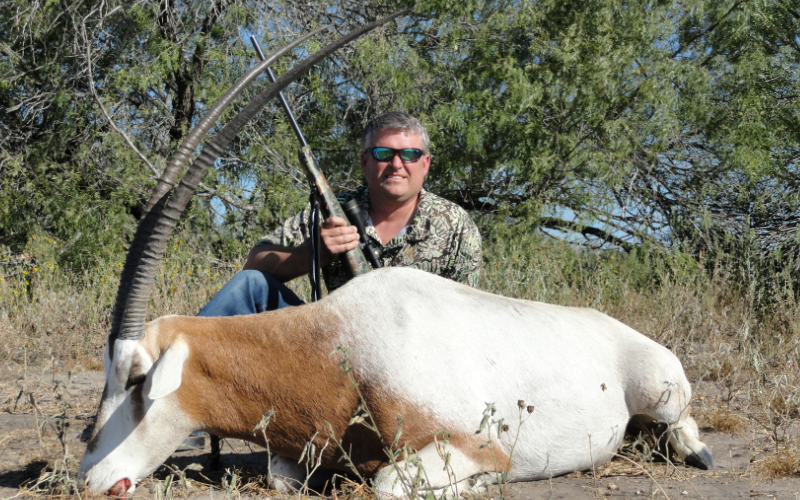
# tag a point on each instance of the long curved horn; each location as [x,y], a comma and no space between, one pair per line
[159,223]
[168,178]
[170,175]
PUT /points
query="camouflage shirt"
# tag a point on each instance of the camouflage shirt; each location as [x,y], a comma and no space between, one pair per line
[441,239]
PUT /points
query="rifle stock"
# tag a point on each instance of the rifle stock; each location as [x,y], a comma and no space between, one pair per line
[354,260]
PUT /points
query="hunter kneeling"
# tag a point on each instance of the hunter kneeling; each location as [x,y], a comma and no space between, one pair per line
[410,226]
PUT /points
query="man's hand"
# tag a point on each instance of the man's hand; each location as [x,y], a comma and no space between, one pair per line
[336,237]
[287,263]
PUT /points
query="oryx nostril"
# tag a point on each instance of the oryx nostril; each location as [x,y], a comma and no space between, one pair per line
[120,488]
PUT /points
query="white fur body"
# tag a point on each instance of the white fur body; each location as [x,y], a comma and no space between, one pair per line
[452,349]
[430,349]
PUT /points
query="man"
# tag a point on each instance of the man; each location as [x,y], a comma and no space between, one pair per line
[413,228]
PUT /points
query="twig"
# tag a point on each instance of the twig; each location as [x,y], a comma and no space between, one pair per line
[233,201]
[97,100]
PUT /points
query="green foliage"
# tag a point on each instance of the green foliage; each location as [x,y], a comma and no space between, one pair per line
[667,126]
[538,268]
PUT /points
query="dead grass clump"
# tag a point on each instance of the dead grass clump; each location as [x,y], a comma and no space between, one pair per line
[785,405]
[784,463]
[57,479]
[48,311]
[722,419]
[353,490]
[775,392]
[720,372]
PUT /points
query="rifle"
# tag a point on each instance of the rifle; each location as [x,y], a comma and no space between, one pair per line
[355,260]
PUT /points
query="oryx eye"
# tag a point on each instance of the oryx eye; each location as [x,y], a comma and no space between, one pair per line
[135,380]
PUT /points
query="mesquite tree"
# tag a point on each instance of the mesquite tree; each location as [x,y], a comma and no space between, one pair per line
[607,123]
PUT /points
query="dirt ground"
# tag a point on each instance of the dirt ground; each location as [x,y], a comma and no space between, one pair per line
[44,414]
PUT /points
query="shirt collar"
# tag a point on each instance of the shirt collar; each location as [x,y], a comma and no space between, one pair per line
[420,225]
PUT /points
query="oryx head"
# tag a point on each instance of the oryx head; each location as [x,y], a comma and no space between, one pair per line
[140,421]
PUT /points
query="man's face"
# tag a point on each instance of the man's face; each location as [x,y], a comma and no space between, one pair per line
[395,180]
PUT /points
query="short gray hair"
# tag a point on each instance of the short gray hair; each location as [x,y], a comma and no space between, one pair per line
[398,120]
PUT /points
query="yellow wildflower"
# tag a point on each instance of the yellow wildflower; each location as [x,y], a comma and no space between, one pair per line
[24,272]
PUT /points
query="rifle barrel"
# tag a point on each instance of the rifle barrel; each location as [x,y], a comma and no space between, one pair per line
[284,102]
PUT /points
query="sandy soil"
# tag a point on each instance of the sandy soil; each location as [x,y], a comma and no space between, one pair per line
[43,417]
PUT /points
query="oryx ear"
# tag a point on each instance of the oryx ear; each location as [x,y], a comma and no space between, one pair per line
[167,372]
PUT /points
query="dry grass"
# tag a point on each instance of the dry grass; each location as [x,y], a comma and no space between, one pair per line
[743,365]
[722,419]
[783,463]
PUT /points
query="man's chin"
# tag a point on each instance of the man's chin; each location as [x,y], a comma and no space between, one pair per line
[395,197]
[397,190]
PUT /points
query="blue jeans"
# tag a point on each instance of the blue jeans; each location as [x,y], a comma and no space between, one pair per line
[250,292]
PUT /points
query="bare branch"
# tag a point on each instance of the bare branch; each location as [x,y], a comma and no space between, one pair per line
[96,98]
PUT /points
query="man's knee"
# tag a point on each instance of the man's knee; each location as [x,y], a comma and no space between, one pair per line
[265,291]
[251,278]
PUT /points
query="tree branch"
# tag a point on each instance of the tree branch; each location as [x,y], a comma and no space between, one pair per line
[100,104]
[553,223]
[228,199]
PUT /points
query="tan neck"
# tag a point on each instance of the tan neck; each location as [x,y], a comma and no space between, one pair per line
[242,367]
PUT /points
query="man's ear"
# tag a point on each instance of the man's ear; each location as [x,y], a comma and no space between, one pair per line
[364,160]
[165,377]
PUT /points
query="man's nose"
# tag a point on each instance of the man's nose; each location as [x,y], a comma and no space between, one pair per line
[396,161]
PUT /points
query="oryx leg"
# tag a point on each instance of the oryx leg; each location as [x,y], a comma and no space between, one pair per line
[673,408]
[285,474]
[685,439]
[288,476]
[440,468]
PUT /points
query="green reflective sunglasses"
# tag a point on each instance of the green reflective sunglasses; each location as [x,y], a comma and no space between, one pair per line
[408,155]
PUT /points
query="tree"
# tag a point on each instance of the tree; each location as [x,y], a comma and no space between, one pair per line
[97,95]
[619,122]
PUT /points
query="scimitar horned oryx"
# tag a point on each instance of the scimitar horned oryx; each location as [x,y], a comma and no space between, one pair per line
[427,353]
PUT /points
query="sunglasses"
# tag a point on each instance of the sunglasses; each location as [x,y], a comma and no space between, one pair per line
[408,155]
